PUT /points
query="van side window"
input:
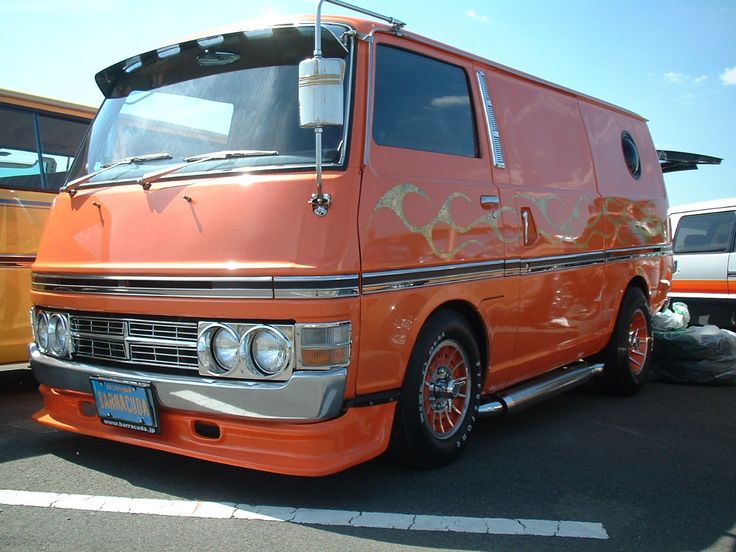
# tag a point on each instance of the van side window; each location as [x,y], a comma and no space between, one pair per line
[707,233]
[19,163]
[422,104]
[21,166]
[60,139]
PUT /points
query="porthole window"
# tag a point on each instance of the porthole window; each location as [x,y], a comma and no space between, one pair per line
[631,154]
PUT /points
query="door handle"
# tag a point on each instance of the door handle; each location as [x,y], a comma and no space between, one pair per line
[529,228]
[525,220]
[489,201]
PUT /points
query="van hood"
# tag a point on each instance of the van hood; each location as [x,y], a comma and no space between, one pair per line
[235,225]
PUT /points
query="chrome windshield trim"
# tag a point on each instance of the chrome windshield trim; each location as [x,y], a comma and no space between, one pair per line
[305,397]
[175,177]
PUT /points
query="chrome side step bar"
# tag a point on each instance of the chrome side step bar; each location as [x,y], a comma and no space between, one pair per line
[531,392]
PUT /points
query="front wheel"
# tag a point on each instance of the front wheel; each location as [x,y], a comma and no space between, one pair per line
[629,352]
[440,395]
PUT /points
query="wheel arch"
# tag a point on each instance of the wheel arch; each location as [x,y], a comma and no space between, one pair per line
[641,283]
[636,282]
[478,326]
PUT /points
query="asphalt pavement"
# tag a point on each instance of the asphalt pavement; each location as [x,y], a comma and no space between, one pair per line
[651,472]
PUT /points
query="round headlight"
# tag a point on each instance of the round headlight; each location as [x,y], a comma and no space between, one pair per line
[58,332]
[225,345]
[42,331]
[270,350]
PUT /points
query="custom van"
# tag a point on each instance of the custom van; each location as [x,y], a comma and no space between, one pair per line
[295,247]
[706,260]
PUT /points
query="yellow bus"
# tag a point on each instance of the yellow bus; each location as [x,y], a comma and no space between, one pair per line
[39,138]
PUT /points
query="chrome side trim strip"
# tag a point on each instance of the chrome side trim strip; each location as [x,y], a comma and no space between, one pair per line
[261,287]
[377,282]
[314,287]
[306,397]
[561,262]
[329,287]
[630,253]
[16,261]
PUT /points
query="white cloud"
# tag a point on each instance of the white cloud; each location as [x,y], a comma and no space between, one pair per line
[729,76]
[681,78]
[676,78]
[474,15]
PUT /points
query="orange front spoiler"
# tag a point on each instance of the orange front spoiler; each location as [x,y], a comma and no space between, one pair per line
[294,449]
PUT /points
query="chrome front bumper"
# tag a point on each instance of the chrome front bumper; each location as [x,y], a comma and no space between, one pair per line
[305,397]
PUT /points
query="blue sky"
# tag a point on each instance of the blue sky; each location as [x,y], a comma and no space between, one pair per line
[674,62]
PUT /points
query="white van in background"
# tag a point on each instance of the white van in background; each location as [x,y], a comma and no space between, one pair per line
[705,257]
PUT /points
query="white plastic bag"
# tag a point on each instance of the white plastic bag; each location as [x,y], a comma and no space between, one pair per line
[675,319]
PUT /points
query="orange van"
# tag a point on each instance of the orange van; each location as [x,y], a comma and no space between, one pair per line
[293,251]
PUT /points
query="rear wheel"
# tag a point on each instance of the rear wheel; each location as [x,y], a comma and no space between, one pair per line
[440,395]
[629,352]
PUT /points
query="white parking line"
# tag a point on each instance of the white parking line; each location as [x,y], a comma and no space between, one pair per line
[305,516]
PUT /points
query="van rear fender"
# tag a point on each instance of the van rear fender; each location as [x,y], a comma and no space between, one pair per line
[637,281]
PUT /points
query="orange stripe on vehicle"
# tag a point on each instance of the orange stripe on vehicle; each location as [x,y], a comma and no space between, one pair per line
[700,286]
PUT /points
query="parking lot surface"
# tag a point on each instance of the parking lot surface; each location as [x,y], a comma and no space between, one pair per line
[580,472]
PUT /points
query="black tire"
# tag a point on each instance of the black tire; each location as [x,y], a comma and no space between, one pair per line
[628,355]
[440,395]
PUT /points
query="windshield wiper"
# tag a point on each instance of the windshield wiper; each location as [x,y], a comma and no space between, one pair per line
[147,179]
[71,187]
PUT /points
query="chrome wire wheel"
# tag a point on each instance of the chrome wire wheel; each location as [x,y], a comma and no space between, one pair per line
[444,394]
[439,399]
[639,342]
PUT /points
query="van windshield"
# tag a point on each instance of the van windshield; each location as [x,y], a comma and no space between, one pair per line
[233,92]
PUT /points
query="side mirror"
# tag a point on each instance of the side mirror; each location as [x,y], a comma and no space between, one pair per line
[321,92]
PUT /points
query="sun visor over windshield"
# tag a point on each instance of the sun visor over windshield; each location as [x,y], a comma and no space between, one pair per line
[217,54]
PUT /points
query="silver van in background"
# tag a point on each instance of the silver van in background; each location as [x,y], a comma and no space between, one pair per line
[704,244]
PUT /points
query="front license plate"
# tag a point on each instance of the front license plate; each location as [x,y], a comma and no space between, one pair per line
[125,404]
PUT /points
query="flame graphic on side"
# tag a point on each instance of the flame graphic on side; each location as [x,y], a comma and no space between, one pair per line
[394,201]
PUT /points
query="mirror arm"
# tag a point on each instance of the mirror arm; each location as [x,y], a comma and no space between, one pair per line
[321,201]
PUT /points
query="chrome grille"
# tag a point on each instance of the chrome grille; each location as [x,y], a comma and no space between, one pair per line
[99,348]
[145,343]
[164,356]
[162,330]
[99,326]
